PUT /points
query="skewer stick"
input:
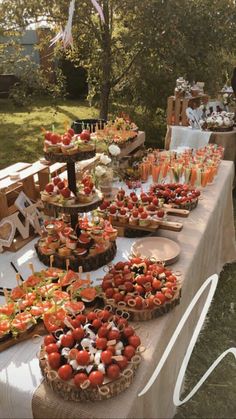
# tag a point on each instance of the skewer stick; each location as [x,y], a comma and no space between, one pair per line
[5,295]
[31,266]
[80,270]
[88,277]
[18,280]
[51,260]
[67,264]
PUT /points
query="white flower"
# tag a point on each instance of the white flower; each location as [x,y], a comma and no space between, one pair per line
[227,121]
[219,121]
[104,159]
[100,171]
[114,150]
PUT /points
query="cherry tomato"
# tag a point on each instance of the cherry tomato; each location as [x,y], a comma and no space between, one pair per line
[156,284]
[138,302]
[112,349]
[54,360]
[123,321]
[118,297]
[109,292]
[129,286]
[49,339]
[73,353]
[106,284]
[103,331]
[78,333]
[104,315]
[129,352]
[128,331]
[81,318]
[92,316]
[134,341]
[123,364]
[114,334]
[83,358]
[75,323]
[80,378]
[65,372]
[67,341]
[113,371]
[96,378]
[52,347]
[106,357]
[160,297]
[101,343]
[97,323]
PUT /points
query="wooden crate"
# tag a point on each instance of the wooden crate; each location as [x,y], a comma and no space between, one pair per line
[176,109]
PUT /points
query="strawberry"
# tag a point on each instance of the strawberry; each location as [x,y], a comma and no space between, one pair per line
[135,213]
[71,132]
[155,202]
[87,190]
[48,135]
[56,180]
[144,215]
[61,185]
[55,138]
[130,206]
[160,213]
[65,192]
[122,211]
[140,210]
[112,209]
[66,139]
[49,187]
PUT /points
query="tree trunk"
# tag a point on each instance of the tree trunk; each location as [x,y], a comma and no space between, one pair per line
[106,63]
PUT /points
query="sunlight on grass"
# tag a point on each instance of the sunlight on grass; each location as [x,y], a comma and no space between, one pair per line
[21,137]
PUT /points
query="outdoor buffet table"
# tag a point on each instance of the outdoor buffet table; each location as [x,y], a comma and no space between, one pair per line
[204,251]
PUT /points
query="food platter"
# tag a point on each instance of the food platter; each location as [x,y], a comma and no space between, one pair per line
[158,248]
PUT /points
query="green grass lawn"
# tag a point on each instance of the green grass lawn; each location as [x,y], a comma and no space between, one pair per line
[21,136]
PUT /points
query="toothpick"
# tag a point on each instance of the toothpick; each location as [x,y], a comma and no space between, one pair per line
[67,264]
[88,277]
[80,270]
[31,266]
[5,295]
[18,280]
[51,260]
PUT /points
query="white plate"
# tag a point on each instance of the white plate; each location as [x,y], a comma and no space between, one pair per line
[159,248]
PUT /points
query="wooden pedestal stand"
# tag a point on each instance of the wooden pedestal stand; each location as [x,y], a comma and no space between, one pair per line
[70,161]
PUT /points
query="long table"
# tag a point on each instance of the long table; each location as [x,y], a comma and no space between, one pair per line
[207,242]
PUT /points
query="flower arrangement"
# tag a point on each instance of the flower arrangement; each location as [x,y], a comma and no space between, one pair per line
[105,170]
[218,121]
[123,122]
[182,87]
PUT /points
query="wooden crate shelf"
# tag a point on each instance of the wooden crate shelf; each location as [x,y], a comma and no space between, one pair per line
[176,109]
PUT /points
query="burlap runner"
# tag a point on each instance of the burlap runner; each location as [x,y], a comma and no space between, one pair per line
[207,242]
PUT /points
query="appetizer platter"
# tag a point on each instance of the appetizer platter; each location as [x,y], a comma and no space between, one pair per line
[176,195]
[146,213]
[142,287]
[90,357]
[39,299]
[90,245]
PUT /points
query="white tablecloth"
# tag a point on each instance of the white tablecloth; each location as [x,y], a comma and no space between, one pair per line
[188,137]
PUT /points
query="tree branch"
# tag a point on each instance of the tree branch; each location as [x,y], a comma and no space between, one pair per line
[118,79]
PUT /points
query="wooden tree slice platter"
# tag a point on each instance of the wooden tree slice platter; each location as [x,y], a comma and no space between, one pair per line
[88,263]
[68,391]
[69,158]
[38,329]
[165,225]
[146,314]
[76,208]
